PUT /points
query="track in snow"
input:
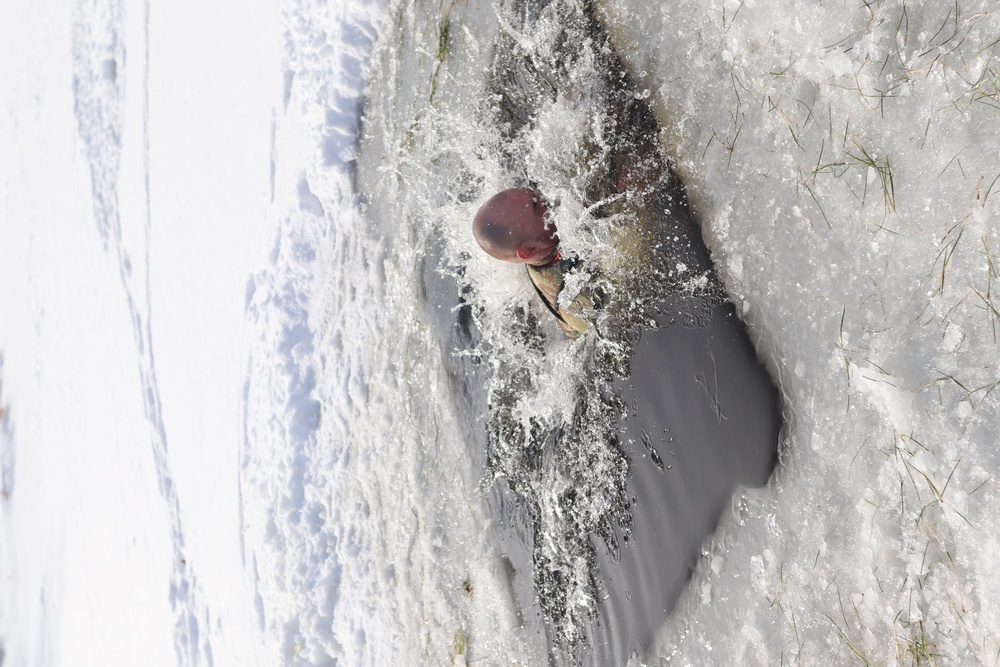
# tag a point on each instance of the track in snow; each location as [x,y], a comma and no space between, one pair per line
[101,72]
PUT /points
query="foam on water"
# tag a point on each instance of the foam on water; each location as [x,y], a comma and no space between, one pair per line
[558,114]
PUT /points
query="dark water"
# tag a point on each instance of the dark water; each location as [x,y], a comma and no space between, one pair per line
[690,410]
[703,418]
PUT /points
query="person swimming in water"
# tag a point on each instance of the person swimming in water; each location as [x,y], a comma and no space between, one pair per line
[512,226]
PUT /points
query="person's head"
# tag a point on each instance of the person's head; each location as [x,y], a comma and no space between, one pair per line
[511,226]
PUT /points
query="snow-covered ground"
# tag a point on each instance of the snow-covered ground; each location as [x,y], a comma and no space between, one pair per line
[135,203]
[230,435]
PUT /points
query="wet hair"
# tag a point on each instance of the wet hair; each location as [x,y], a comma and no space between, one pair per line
[497,232]
[489,227]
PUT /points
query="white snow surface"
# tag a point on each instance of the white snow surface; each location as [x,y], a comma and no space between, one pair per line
[135,203]
[228,437]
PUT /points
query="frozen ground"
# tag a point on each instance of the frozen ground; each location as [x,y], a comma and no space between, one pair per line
[230,433]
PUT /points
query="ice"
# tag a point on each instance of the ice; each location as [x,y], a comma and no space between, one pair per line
[831,152]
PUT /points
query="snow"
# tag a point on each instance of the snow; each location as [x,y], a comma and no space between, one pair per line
[77,514]
[231,430]
[134,207]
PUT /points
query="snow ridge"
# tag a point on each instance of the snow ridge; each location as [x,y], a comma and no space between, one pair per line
[291,479]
